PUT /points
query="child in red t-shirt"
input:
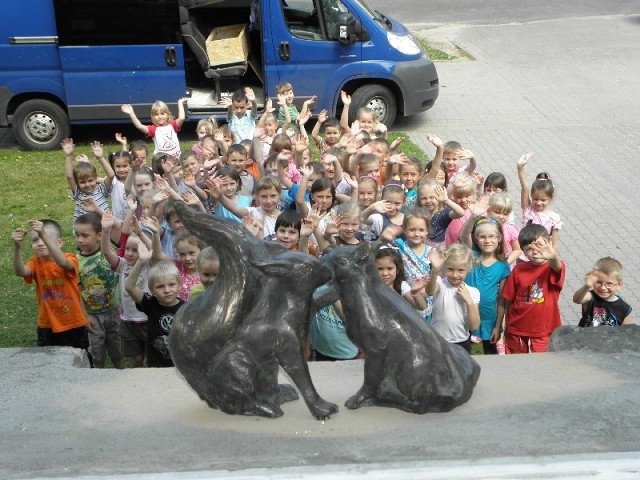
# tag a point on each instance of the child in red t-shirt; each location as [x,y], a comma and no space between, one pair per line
[531,294]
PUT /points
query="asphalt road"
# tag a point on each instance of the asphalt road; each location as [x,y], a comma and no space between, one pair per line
[497,12]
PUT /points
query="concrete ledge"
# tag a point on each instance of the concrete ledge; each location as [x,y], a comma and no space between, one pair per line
[59,420]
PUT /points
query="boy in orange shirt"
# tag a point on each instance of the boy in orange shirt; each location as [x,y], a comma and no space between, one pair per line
[61,317]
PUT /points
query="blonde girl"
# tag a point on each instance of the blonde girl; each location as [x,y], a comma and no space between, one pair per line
[462,192]
[415,253]
[187,247]
[203,128]
[433,198]
[455,304]
[164,129]
[536,202]
[488,274]
[501,208]
[366,120]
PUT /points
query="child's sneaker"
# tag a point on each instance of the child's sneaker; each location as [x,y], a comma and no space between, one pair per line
[500,349]
[475,339]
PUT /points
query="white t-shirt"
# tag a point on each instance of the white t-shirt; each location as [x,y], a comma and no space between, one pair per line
[450,317]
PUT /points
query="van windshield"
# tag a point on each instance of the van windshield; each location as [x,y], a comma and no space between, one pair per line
[374,14]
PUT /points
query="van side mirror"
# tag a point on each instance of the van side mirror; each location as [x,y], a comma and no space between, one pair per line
[347,23]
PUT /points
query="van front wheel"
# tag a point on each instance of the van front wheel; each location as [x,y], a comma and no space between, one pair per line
[40,125]
[378,98]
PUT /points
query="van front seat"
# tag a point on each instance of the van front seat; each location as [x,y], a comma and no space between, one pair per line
[197,44]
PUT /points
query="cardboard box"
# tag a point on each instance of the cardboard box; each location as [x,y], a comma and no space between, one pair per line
[228,45]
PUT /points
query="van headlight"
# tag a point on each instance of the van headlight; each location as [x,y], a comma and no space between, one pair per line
[403,43]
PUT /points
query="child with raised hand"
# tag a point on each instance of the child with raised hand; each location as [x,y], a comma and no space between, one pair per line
[366,120]
[208,266]
[267,197]
[343,228]
[452,155]
[204,128]
[288,115]
[192,175]
[98,287]
[488,274]
[83,177]
[463,192]
[160,306]
[501,208]
[164,129]
[535,204]
[229,186]
[601,304]
[241,118]
[433,198]
[187,247]
[322,193]
[531,294]
[455,304]
[389,264]
[330,128]
[121,164]
[61,318]
[385,218]
[133,323]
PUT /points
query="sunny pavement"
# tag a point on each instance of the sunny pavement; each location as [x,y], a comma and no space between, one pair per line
[568,91]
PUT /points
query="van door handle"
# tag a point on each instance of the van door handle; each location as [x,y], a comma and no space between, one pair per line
[170,56]
[284,50]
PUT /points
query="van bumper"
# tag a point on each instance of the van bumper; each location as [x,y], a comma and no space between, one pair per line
[418,81]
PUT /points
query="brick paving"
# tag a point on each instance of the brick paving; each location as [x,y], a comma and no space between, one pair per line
[569,91]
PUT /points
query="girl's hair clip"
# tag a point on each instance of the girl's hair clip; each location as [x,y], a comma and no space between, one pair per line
[543,176]
[389,246]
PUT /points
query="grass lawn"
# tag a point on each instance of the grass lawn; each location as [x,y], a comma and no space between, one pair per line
[34,186]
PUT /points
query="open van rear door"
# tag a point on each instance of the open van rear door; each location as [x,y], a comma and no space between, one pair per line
[119,51]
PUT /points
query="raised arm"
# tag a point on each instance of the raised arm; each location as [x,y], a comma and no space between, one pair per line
[19,268]
[437,260]
[68,147]
[213,188]
[344,117]
[583,294]
[53,245]
[98,152]
[182,114]
[436,163]
[107,222]
[302,189]
[524,183]
[470,157]
[128,109]
[315,133]
[157,255]
[306,107]
[251,96]
[131,284]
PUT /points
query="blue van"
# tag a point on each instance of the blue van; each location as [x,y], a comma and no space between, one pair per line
[65,62]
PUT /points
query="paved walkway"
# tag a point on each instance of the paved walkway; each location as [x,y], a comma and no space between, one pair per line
[558,413]
[569,91]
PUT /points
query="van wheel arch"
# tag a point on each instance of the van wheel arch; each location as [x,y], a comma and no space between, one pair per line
[378,97]
[40,124]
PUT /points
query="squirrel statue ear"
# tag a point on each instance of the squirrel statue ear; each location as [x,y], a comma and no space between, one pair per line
[363,252]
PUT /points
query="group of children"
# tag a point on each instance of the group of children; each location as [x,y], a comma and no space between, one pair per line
[449,244]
